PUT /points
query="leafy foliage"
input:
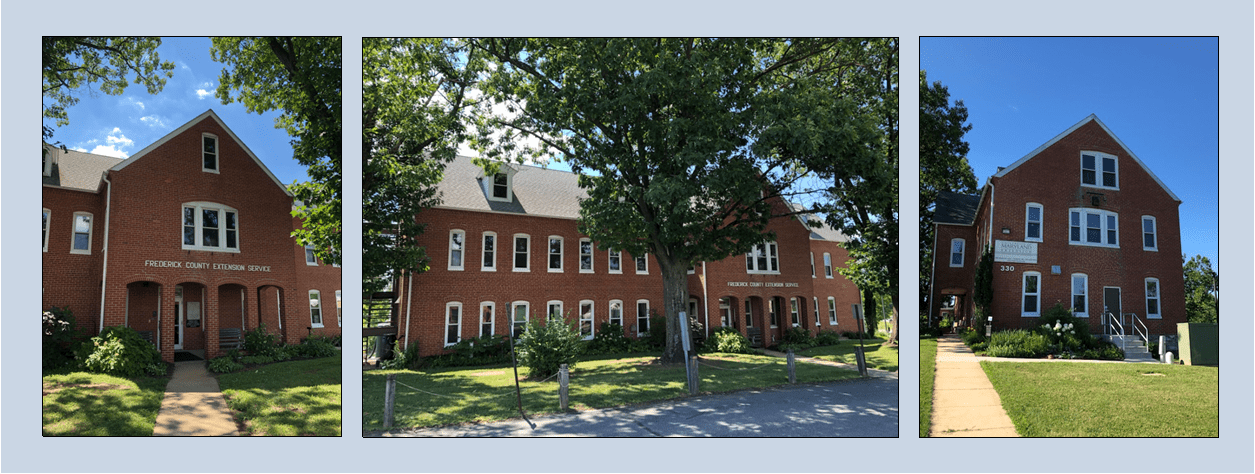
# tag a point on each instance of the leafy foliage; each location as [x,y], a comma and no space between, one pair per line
[70,63]
[121,351]
[318,348]
[299,76]
[609,339]
[224,364]
[1202,297]
[543,348]
[728,340]
[1018,343]
[983,294]
[483,350]
[59,337]
[260,342]
[827,338]
[402,357]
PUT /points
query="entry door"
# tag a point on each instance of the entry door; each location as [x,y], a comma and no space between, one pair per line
[178,317]
[1111,304]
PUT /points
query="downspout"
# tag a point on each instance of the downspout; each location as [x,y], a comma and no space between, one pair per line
[989,229]
[705,301]
[409,297]
[104,249]
[932,277]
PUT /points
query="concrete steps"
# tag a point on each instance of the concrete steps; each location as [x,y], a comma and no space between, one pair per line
[1134,348]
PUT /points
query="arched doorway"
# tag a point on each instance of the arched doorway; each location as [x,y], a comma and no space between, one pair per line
[143,309]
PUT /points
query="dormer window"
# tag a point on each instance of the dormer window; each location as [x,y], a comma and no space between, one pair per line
[500,186]
[209,153]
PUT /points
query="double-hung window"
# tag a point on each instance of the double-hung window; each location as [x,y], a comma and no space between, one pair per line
[832,310]
[616,261]
[794,317]
[812,264]
[519,314]
[501,187]
[773,310]
[586,256]
[827,265]
[339,309]
[457,249]
[554,310]
[487,318]
[1149,240]
[1031,294]
[642,265]
[310,257]
[586,319]
[47,216]
[642,317]
[555,254]
[763,259]
[452,323]
[210,226]
[1032,222]
[749,314]
[1152,299]
[725,312]
[209,153]
[315,309]
[522,243]
[1099,170]
[815,306]
[956,252]
[489,263]
[1093,227]
[616,312]
[1080,295]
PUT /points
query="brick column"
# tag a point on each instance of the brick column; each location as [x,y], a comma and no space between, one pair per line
[211,320]
[168,319]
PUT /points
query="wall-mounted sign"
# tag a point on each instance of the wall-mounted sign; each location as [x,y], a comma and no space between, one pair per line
[757,284]
[206,266]
[1015,252]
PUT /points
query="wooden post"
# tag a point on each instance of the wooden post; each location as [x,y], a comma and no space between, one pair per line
[792,367]
[389,400]
[564,381]
[693,379]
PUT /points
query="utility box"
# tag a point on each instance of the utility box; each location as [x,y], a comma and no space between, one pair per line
[1199,343]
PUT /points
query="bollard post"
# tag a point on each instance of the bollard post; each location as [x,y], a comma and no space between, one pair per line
[692,375]
[564,380]
[389,400]
[862,360]
[792,363]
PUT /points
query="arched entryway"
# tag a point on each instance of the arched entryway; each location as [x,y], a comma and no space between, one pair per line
[188,315]
[143,309]
[270,302]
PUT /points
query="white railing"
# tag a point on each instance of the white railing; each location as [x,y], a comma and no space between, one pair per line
[1143,332]
[1113,327]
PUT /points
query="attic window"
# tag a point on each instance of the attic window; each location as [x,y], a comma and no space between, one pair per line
[1099,170]
[500,186]
[209,153]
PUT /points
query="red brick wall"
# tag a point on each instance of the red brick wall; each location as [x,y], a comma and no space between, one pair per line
[322,277]
[844,291]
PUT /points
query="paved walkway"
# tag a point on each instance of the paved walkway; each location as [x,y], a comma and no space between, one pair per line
[876,373]
[194,405]
[964,402]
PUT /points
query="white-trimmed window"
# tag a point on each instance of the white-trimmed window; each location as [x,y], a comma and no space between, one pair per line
[586,319]
[487,318]
[554,310]
[957,247]
[500,187]
[457,249]
[315,308]
[1032,222]
[452,323]
[310,257]
[763,259]
[832,310]
[642,317]
[616,312]
[1099,170]
[210,226]
[586,256]
[1031,294]
[749,313]
[827,265]
[1080,295]
[815,306]
[519,314]
[47,217]
[693,309]
[522,246]
[555,254]
[773,310]
[209,153]
[1152,299]
[725,312]
[812,264]
[339,309]
[81,240]
[1093,227]
[642,265]
[616,261]
[794,317]
[1149,234]
[489,263]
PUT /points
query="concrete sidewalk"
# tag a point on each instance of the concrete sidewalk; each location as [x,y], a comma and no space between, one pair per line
[194,405]
[964,402]
[876,373]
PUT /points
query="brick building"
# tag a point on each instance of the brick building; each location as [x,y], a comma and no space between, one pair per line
[187,238]
[1080,222]
[505,249]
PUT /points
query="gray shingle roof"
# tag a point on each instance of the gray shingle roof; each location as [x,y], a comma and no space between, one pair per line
[78,170]
[955,208]
[537,191]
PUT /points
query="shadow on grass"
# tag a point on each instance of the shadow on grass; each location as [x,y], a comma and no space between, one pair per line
[85,404]
[298,398]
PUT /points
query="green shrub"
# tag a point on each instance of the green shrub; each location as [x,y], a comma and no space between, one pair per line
[483,350]
[60,337]
[946,322]
[318,348]
[729,340]
[799,336]
[283,353]
[979,346]
[402,358]
[260,342]
[1018,343]
[657,330]
[854,335]
[827,338]
[256,360]
[609,339]
[1104,351]
[224,365]
[120,351]
[972,336]
[1065,332]
[544,348]
[157,369]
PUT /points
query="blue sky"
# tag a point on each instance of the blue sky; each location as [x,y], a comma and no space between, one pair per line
[1160,96]
[122,125]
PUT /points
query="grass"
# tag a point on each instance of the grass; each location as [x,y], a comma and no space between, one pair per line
[877,356]
[88,404]
[298,398]
[1108,400]
[927,376]
[487,393]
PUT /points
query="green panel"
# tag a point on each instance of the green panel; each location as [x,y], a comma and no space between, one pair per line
[1199,343]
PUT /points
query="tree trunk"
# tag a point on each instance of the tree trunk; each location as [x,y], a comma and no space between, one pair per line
[674,299]
[869,307]
[893,335]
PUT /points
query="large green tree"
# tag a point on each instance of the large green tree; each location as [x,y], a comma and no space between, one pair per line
[72,62]
[943,166]
[416,98]
[1202,291]
[681,144]
[300,77]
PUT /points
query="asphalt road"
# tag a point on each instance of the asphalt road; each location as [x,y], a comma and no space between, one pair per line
[851,408]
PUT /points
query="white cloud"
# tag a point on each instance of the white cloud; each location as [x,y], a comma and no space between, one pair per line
[202,93]
[109,150]
[117,138]
[153,121]
[135,103]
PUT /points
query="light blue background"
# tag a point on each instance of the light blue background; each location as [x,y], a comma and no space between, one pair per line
[25,450]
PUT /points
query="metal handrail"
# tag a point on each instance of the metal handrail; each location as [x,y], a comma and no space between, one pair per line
[1145,333]
[1112,323]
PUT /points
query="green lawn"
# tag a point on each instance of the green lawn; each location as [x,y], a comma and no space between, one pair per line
[487,393]
[1108,400]
[87,404]
[927,376]
[878,356]
[298,398]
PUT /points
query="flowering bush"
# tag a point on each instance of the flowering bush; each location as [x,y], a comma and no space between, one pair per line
[59,337]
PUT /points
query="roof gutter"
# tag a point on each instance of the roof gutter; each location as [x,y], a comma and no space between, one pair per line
[104,269]
[705,301]
[932,276]
[409,298]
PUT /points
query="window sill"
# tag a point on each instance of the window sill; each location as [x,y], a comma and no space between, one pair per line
[212,249]
[80,252]
[522,270]
[556,270]
[1150,249]
[457,269]
[754,272]
[488,269]
[1028,315]
[208,170]
[1033,240]
[613,272]
[1095,186]
[1154,316]
[586,271]
[316,326]
[1089,244]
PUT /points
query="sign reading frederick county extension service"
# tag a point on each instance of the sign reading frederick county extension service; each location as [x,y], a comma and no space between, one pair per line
[1015,252]
[206,266]
[770,284]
